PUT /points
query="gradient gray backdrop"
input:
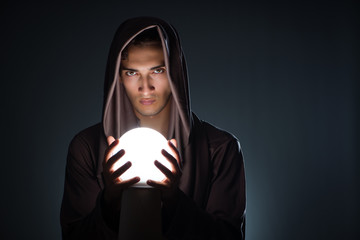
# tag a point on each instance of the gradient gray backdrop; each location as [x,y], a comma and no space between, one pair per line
[282,77]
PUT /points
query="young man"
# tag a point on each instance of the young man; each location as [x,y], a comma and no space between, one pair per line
[203,196]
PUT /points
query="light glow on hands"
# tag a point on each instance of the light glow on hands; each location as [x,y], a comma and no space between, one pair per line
[142,147]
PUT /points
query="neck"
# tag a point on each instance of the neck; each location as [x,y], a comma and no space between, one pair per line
[159,122]
[158,125]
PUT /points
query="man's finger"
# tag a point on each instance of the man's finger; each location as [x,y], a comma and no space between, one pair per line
[173,141]
[173,146]
[157,185]
[110,140]
[109,151]
[173,161]
[127,183]
[118,172]
[110,162]
[169,174]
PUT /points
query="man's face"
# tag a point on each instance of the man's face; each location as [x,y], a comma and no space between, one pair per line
[144,77]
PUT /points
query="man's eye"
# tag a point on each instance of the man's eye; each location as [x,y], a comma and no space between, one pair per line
[130,74]
[159,70]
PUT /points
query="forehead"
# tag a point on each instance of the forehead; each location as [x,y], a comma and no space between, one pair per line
[141,55]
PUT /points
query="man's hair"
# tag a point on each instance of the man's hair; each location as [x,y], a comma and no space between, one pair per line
[149,37]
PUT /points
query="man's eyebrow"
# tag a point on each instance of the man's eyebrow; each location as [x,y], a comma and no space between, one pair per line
[162,65]
[128,69]
[135,70]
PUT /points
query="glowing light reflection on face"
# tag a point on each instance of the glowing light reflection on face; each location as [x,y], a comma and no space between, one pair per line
[142,147]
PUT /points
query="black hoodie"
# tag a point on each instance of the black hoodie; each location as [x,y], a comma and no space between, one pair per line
[211,204]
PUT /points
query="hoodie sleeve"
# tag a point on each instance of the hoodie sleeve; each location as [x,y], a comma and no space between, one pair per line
[81,211]
[223,216]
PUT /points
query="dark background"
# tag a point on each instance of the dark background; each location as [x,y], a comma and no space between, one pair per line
[283,77]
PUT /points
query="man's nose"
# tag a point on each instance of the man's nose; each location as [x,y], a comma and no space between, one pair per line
[146,84]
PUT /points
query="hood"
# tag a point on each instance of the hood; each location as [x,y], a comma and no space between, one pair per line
[118,116]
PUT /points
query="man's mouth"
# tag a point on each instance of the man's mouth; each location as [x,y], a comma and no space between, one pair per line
[147,101]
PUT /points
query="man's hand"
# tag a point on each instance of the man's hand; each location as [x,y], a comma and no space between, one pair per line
[113,185]
[168,186]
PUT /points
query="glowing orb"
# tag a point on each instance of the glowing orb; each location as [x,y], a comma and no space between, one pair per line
[142,147]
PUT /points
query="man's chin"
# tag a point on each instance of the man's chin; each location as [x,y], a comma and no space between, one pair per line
[149,114]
